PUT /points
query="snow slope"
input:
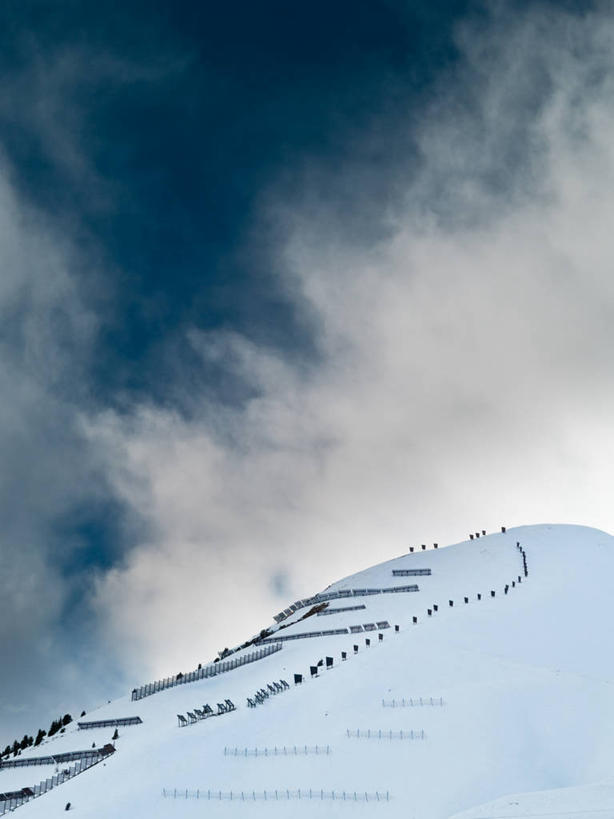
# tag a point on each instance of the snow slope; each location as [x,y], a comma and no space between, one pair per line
[526,680]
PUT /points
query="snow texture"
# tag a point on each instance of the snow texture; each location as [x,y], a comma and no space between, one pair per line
[526,680]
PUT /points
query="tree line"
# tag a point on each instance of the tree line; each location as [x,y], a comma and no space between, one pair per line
[20,745]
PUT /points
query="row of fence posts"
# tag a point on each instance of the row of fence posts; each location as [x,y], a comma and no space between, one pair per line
[413,703]
[471,536]
[524,558]
[313,669]
[493,593]
[277,795]
[377,733]
[48,784]
[282,750]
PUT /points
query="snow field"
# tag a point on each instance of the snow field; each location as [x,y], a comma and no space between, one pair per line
[526,680]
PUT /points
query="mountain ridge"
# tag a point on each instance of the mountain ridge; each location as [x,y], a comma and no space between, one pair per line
[518,660]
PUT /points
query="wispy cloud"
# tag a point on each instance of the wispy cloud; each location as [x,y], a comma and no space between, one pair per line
[46,333]
[464,370]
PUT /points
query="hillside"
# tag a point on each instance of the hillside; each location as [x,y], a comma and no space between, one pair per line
[448,716]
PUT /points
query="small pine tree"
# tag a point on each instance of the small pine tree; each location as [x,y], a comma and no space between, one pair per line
[40,736]
[66,719]
[82,713]
[115,735]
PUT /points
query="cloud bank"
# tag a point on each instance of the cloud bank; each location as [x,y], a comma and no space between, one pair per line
[462,376]
[46,335]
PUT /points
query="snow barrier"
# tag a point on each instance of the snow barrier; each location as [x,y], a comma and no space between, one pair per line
[413,702]
[281,794]
[56,759]
[282,750]
[211,670]
[12,800]
[410,572]
[320,598]
[330,632]
[377,733]
[264,693]
[110,723]
[340,609]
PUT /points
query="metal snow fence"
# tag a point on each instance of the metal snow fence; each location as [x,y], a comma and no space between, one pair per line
[305,634]
[377,733]
[281,750]
[56,759]
[263,694]
[197,714]
[410,572]
[338,610]
[393,589]
[14,800]
[320,598]
[413,702]
[110,723]
[278,795]
[211,670]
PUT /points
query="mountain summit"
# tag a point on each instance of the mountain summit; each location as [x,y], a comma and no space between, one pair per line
[470,681]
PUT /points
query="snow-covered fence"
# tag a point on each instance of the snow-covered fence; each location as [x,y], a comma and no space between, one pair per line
[12,800]
[320,598]
[340,609]
[410,572]
[304,634]
[413,702]
[381,624]
[57,759]
[282,750]
[377,733]
[110,723]
[211,670]
[281,794]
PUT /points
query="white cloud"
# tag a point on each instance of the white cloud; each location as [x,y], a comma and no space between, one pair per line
[464,378]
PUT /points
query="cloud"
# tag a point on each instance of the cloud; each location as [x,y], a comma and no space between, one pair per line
[47,330]
[463,369]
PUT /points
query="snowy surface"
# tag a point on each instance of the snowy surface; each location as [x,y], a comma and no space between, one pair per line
[526,679]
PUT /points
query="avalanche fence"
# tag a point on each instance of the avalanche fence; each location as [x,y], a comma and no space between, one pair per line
[281,794]
[211,670]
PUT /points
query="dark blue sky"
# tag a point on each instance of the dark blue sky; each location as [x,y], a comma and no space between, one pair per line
[183,114]
[141,144]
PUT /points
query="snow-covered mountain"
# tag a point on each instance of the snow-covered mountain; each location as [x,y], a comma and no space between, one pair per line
[498,703]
